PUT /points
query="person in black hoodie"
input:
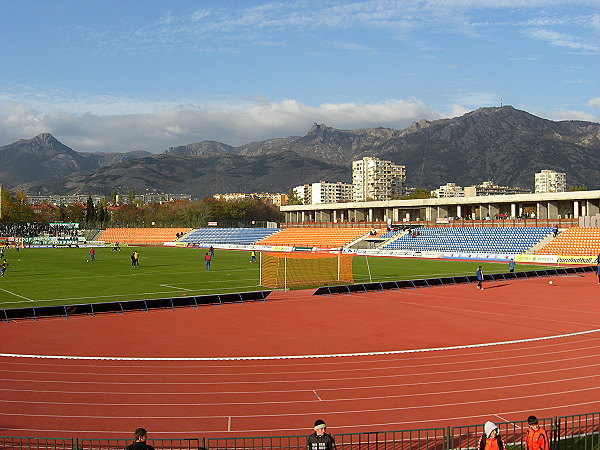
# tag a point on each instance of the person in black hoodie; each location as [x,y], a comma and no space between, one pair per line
[320,440]
[140,441]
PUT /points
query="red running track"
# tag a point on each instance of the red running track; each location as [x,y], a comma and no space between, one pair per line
[51,395]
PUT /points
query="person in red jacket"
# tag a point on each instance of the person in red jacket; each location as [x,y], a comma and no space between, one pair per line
[491,438]
[536,438]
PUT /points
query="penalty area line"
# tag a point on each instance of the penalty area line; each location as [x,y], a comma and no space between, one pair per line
[17,295]
[176,288]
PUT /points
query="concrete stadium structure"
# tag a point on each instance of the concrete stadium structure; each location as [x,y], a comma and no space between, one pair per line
[543,206]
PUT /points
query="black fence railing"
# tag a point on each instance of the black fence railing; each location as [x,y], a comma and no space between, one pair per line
[575,432]
[427,282]
[92,309]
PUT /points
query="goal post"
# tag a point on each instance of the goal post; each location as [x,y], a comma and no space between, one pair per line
[283,270]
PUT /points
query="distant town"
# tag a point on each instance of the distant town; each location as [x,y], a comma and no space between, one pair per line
[372,180]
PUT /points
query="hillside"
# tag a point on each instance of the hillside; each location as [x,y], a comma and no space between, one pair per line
[505,145]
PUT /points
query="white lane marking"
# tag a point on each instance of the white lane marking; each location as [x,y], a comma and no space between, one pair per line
[316,413]
[334,355]
[349,399]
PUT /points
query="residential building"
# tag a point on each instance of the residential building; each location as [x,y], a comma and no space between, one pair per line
[449,190]
[324,192]
[374,179]
[304,193]
[489,188]
[550,181]
[275,199]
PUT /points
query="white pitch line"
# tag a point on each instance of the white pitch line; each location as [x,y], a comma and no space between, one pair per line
[264,358]
[176,288]
[17,295]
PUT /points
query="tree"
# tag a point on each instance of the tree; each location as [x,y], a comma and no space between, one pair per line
[581,187]
[131,197]
[418,193]
[90,211]
[75,212]
[293,199]
[100,213]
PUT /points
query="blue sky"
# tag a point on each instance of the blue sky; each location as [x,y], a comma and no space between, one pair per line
[146,75]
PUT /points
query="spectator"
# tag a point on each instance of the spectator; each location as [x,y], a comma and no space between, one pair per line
[479,274]
[536,438]
[511,265]
[491,440]
[320,440]
[140,437]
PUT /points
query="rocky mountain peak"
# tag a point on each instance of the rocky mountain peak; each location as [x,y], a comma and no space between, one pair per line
[317,128]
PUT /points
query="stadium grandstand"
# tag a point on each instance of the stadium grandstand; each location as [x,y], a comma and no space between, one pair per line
[574,242]
[481,240]
[146,236]
[316,237]
[243,236]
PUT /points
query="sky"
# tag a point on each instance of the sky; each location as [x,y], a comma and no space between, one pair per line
[113,75]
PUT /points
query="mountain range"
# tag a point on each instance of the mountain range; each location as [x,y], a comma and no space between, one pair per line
[502,144]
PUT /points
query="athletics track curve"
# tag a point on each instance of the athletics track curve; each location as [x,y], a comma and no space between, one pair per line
[550,367]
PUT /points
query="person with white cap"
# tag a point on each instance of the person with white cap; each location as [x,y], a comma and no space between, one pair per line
[491,438]
[320,440]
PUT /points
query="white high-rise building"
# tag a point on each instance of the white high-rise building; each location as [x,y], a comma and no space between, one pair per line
[374,179]
[324,192]
[550,181]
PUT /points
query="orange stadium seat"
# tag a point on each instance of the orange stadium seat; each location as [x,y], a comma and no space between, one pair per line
[315,237]
[141,235]
[574,242]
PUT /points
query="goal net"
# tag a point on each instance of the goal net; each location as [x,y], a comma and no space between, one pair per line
[292,269]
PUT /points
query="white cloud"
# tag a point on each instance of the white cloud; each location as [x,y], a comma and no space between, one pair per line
[156,130]
[594,102]
[563,40]
[565,114]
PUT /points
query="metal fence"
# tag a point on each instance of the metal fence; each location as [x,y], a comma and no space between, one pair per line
[577,432]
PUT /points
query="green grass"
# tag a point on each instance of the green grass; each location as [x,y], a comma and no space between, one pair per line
[60,276]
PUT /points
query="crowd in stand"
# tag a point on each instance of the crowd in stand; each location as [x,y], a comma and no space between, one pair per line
[36,230]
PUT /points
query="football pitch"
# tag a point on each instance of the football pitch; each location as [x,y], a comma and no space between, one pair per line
[63,276]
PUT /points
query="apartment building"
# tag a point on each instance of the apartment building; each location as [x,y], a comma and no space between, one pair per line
[324,192]
[449,190]
[490,188]
[374,179]
[550,181]
[275,199]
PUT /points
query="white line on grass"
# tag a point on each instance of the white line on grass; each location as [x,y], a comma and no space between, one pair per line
[16,295]
[176,288]
[198,291]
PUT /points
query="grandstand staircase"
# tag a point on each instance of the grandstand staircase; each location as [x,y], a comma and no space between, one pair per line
[539,245]
[91,235]
[392,239]
[359,242]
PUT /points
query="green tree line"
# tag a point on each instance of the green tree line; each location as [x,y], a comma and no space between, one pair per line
[16,208]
